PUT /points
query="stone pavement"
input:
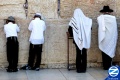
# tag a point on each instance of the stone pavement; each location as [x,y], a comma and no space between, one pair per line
[54,74]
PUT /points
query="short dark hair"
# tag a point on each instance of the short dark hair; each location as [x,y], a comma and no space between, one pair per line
[7,21]
[37,16]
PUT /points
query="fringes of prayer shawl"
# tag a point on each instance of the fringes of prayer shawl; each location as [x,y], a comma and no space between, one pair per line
[107,34]
[76,32]
[73,24]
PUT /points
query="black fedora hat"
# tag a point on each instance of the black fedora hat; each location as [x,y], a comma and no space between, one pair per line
[106,9]
[11,18]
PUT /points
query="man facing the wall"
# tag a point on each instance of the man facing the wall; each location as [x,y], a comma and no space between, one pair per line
[37,28]
[12,45]
[107,36]
[81,27]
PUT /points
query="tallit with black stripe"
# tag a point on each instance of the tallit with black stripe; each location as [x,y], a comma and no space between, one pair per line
[81,26]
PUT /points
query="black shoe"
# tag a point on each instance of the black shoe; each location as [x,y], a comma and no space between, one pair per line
[9,70]
[105,68]
[15,70]
[26,67]
[33,68]
[36,68]
[81,71]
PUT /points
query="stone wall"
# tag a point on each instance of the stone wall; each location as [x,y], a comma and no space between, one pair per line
[55,47]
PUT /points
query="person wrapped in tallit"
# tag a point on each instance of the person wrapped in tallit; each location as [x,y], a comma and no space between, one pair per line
[81,26]
[107,36]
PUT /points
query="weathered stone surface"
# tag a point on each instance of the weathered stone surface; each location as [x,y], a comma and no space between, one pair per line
[47,8]
[55,47]
[13,7]
[91,8]
[10,2]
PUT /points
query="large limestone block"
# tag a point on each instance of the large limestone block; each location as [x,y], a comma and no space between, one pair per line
[117,8]
[11,2]
[11,8]
[56,42]
[90,8]
[47,7]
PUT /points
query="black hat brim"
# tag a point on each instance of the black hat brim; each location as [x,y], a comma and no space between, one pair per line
[110,10]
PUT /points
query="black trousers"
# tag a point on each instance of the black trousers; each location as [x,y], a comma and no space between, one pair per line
[12,47]
[81,59]
[35,55]
[107,61]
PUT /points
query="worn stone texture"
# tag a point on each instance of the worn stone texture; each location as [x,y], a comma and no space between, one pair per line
[55,47]
[47,8]
[90,8]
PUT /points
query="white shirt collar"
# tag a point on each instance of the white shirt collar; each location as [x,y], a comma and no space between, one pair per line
[10,23]
[37,18]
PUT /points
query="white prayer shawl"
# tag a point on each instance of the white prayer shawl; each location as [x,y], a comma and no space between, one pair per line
[107,34]
[81,29]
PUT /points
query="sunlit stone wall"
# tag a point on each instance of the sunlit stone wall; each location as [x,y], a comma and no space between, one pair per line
[55,47]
